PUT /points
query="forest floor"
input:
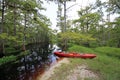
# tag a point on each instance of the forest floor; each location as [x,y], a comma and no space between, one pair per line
[78,73]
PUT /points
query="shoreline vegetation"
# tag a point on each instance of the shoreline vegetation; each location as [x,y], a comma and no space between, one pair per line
[105,66]
[27,38]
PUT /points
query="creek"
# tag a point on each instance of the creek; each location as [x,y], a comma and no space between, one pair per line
[27,67]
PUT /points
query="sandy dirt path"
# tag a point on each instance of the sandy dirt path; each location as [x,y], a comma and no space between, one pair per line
[47,74]
[82,73]
[79,73]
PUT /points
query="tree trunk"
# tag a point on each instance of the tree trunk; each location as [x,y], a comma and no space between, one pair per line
[87,25]
[24,37]
[65,41]
[3,11]
[60,15]
[118,43]
[64,15]
[14,19]
[2,50]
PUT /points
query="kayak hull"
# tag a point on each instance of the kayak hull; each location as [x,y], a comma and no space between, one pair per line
[74,55]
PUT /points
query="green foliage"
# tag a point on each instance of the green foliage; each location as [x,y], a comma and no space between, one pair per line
[23,24]
[80,49]
[73,37]
[91,20]
[109,51]
[9,50]
[115,32]
[24,53]
[94,44]
[88,21]
[3,36]
[105,65]
[7,59]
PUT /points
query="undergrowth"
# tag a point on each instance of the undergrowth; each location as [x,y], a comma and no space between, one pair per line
[106,65]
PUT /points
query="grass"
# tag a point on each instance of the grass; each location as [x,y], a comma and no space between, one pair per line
[80,49]
[63,71]
[109,51]
[106,65]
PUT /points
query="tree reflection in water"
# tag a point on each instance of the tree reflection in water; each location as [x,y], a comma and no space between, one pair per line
[28,67]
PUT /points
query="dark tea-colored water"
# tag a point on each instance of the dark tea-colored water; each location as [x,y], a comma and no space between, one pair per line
[26,68]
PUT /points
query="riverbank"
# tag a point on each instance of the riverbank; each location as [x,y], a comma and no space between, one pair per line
[48,73]
[81,72]
[106,66]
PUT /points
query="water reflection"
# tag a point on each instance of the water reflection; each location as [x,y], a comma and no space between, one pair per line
[52,59]
[31,65]
[28,67]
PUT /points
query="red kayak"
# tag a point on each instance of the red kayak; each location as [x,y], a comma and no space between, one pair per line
[73,54]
